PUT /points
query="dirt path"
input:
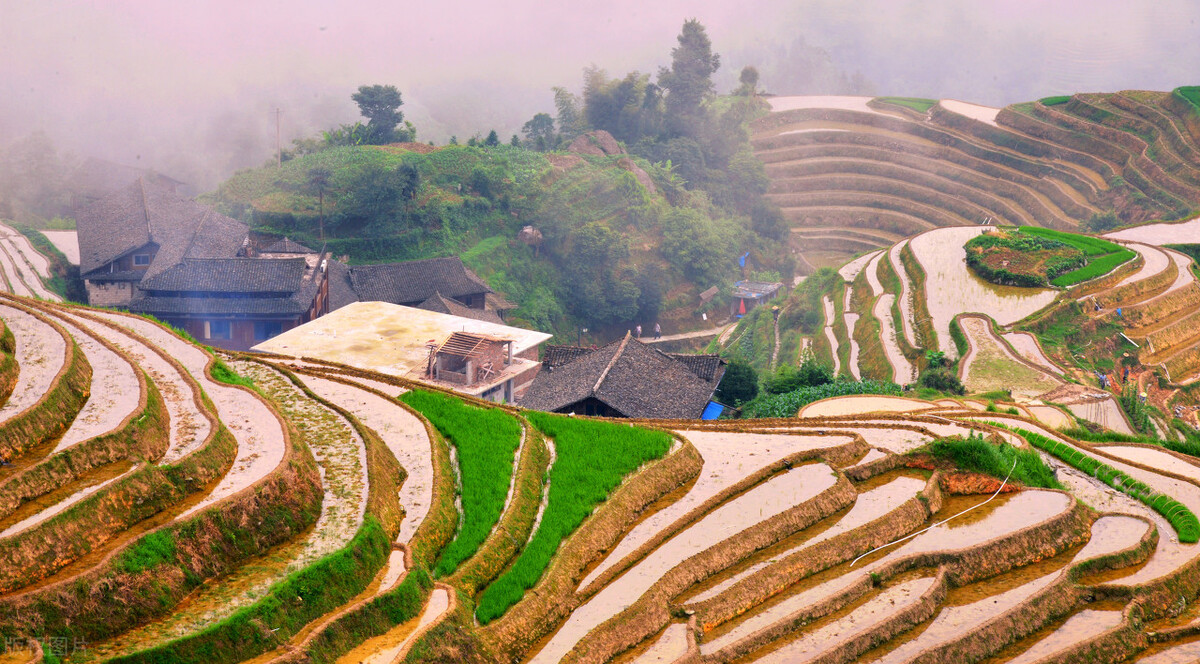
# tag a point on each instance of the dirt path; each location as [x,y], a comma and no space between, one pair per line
[698,334]
[775,350]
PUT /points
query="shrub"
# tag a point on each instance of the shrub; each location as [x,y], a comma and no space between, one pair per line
[943,380]
[978,455]
[1101,222]
[486,440]
[809,374]
[591,459]
[739,385]
[788,404]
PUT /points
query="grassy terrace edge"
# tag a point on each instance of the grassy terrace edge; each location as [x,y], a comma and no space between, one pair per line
[1182,519]
[592,457]
[487,440]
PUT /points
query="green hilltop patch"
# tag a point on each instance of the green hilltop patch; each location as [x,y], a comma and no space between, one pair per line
[1037,257]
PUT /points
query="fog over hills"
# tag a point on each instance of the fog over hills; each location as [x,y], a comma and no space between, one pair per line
[191,89]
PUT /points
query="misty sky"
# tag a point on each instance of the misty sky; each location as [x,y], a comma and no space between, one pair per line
[191,88]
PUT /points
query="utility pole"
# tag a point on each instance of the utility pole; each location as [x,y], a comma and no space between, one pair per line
[278,143]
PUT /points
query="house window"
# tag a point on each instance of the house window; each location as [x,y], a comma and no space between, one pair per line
[141,260]
[264,330]
[217,329]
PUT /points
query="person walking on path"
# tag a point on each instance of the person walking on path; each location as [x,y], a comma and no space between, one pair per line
[638,331]
[657,331]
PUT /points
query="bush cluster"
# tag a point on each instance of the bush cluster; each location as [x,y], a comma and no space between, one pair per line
[789,403]
[976,454]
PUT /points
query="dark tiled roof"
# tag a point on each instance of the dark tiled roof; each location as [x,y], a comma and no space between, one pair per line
[124,275]
[446,305]
[341,291]
[704,366]
[413,282]
[290,306]
[628,376]
[230,275]
[148,213]
[556,356]
[288,246]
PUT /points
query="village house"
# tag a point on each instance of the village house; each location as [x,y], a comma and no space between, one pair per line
[625,378]
[476,357]
[747,295]
[150,250]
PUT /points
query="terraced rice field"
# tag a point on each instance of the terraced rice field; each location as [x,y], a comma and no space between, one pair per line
[775,540]
[846,169]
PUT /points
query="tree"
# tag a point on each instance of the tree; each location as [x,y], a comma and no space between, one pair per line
[767,220]
[689,80]
[318,180]
[380,104]
[514,141]
[739,385]
[539,130]
[628,108]
[492,140]
[695,244]
[570,120]
[749,81]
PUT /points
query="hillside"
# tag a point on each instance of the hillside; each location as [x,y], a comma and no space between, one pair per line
[855,173]
[616,241]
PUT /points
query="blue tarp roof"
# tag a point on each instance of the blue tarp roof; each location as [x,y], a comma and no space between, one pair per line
[712,411]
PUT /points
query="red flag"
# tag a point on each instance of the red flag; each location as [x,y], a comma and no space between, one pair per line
[741,307]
